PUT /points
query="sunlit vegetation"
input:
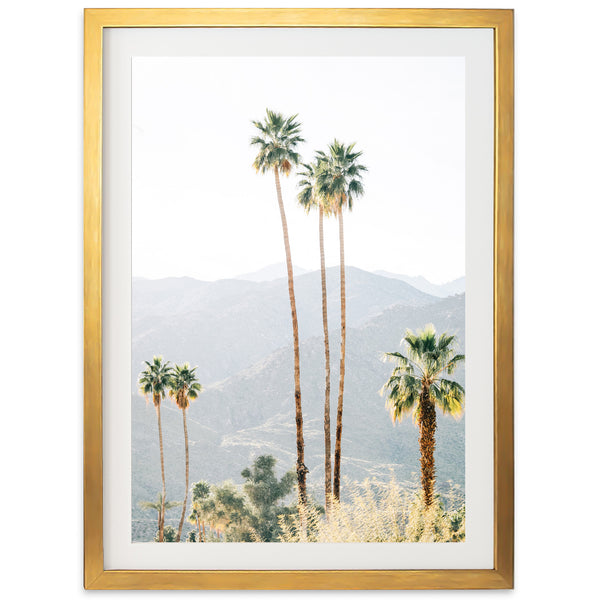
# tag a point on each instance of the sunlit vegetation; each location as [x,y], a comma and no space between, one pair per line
[380,512]
[260,509]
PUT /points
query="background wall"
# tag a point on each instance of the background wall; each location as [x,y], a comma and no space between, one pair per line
[557,272]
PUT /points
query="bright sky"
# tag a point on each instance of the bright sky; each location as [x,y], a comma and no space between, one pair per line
[199,208]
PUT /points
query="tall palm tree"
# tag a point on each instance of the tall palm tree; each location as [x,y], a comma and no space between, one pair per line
[153,381]
[418,385]
[183,387]
[277,141]
[310,199]
[160,506]
[339,178]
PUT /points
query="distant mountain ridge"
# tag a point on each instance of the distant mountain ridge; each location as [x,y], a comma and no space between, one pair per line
[456,286]
[271,272]
[279,270]
[184,317]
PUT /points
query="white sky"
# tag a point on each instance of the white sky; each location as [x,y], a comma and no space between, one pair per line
[199,208]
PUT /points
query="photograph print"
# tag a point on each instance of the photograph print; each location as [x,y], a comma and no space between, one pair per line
[298,299]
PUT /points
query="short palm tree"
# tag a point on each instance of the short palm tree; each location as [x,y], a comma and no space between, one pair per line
[310,199]
[339,179]
[160,506]
[183,387]
[277,142]
[195,519]
[200,493]
[418,385]
[153,382]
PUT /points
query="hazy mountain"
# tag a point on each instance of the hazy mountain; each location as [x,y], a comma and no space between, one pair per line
[227,325]
[457,286]
[239,334]
[271,272]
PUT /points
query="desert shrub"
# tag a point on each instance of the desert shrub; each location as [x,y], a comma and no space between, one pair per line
[377,512]
[169,534]
[191,536]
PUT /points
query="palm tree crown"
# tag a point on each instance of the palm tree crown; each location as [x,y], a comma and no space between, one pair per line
[183,385]
[277,143]
[339,175]
[428,359]
[154,380]
[308,196]
[148,505]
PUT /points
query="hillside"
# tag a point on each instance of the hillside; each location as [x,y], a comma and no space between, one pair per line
[247,408]
[228,325]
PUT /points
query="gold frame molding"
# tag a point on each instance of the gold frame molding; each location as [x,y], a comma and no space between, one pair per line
[501,576]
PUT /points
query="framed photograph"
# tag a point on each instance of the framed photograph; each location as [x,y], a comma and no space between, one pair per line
[298,299]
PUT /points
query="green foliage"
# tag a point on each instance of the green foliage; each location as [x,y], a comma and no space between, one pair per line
[277,141]
[225,509]
[170,534]
[339,175]
[309,196]
[192,536]
[428,359]
[456,522]
[265,492]
[200,491]
[154,380]
[183,385]
[147,505]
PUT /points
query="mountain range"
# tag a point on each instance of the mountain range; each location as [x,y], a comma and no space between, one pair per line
[238,332]
[279,270]
[441,290]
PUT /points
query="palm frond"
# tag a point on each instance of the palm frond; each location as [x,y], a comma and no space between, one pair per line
[184,385]
[449,396]
[277,141]
[427,357]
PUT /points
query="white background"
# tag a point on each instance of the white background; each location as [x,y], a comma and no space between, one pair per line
[557,272]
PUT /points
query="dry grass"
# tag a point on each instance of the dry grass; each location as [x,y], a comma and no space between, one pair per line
[380,512]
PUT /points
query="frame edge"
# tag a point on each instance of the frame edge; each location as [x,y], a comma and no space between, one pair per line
[502,576]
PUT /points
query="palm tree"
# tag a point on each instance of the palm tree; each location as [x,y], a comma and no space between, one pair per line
[339,178]
[160,506]
[195,519]
[310,199]
[183,387]
[200,492]
[277,141]
[418,384]
[153,382]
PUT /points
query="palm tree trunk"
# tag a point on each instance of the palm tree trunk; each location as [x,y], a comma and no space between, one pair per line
[327,416]
[161,524]
[203,532]
[340,407]
[301,469]
[427,427]
[187,476]
[199,533]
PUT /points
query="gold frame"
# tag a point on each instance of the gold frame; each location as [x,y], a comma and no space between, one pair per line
[501,576]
